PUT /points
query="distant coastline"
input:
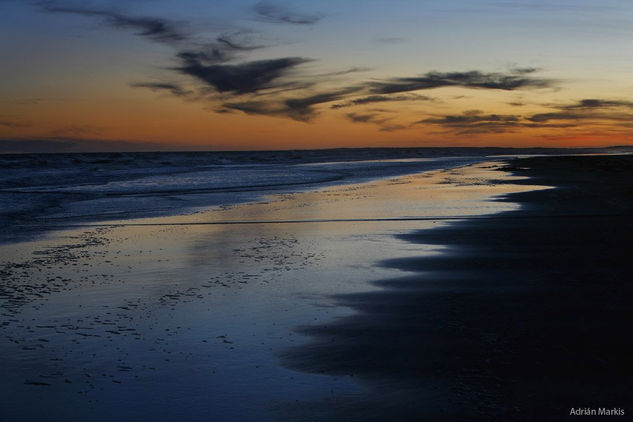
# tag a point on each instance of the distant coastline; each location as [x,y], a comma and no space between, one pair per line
[81,146]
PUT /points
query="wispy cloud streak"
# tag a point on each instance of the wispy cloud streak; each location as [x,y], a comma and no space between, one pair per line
[157,29]
[170,87]
[475,121]
[605,113]
[470,79]
[276,13]
[587,110]
[371,99]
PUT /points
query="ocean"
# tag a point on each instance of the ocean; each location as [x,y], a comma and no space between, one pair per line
[41,192]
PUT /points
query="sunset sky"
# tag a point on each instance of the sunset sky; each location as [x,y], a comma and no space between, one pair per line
[214,74]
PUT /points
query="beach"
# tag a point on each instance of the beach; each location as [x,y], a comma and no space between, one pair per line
[490,290]
[524,316]
[282,211]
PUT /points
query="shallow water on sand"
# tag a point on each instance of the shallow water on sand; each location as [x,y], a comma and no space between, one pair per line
[40,192]
[183,318]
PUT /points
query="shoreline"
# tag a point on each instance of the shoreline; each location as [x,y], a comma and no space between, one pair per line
[104,191]
[143,311]
[519,318]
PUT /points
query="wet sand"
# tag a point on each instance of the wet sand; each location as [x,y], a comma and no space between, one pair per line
[190,318]
[523,316]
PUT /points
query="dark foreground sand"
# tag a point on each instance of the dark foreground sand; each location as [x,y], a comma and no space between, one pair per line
[527,316]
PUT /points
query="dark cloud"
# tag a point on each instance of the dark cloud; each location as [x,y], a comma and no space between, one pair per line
[169,87]
[524,70]
[265,108]
[382,99]
[390,40]
[375,118]
[208,55]
[302,108]
[273,12]
[294,85]
[545,117]
[232,44]
[361,118]
[346,71]
[471,79]
[588,109]
[548,125]
[392,127]
[242,78]
[475,121]
[472,116]
[159,30]
[593,103]
[581,115]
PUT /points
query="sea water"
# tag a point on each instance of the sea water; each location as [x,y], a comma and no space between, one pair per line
[40,192]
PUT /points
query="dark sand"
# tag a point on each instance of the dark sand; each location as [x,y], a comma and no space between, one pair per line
[526,316]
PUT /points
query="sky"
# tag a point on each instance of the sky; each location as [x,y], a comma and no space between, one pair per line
[243,75]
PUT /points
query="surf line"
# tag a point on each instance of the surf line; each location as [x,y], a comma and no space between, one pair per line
[337,220]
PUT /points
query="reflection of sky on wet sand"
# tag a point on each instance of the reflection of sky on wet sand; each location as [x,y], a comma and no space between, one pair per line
[443,193]
[193,316]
